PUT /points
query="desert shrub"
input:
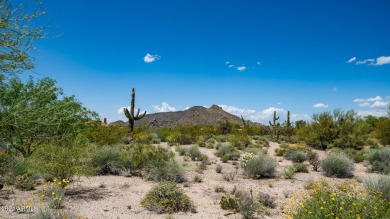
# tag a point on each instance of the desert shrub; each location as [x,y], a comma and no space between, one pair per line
[338,165]
[280,151]
[106,160]
[379,159]
[163,133]
[297,156]
[227,152]
[221,138]
[229,176]
[379,186]
[64,161]
[218,168]
[25,182]
[242,202]
[178,138]
[201,141]
[167,171]
[341,201]
[111,134]
[300,168]
[356,155]
[167,197]
[195,153]
[263,141]
[12,166]
[239,141]
[183,151]
[143,138]
[266,200]
[284,145]
[198,179]
[260,166]
[139,156]
[288,173]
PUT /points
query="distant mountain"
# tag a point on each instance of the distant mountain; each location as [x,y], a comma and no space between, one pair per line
[197,115]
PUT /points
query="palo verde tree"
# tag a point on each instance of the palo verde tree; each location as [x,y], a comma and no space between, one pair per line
[130,114]
[37,112]
[17,34]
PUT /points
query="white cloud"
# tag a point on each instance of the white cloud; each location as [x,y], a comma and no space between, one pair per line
[258,63]
[377,98]
[231,66]
[227,63]
[237,111]
[351,59]
[279,103]
[362,62]
[334,89]
[241,68]
[383,60]
[164,108]
[296,117]
[380,104]
[151,58]
[364,104]
[320,105]
[377,113]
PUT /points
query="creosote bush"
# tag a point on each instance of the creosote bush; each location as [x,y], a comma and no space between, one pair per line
[106,160]
[167,197]
[111,134]
[337,165]
[240,141]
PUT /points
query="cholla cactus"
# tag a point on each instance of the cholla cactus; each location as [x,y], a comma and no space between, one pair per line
[245,157]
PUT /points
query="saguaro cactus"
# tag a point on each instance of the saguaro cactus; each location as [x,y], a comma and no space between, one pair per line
[275,126]
[130,115]
[288,126]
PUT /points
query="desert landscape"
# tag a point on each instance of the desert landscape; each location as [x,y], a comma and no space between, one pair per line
[194,109]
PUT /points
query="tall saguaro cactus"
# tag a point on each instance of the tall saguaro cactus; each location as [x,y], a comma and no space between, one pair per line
[288,126]
[274,126]
[130,115]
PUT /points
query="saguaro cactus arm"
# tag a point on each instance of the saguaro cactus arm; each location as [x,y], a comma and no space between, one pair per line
[130,114]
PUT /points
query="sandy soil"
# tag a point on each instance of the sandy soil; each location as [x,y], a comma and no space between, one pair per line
[118,197]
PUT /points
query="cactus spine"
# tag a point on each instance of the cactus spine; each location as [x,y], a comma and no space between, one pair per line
[274,126]
[130,115]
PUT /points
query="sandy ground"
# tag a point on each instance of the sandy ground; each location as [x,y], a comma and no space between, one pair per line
[118,197]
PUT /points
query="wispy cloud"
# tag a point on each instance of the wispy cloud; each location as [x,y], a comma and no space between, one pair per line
[320,105]
[334,89]
[377,98]
[366,61]
[241,68]
[380,104]
[377,106]
[151,58]
[351,59]
[258,63]
[231,66]
[164,108]
[382,60]
[227,63]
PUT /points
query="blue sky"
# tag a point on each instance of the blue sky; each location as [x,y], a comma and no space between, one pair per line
[251,57]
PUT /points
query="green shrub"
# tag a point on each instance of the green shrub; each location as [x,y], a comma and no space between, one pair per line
[25,182]
[138,156]
[143,138]
[218,168]
[228,203]
[106,160]
[300,168]
[379,186]
[338,165]
[260,166]
[221,138]
[240,141]
[280,151]
[225,158]
[111,134]
[227,152]
[219,188]
[356,155]
[198,179]
[46,213]
[179,138]
[64,161]
[167,197]
[195,153]
[296,156]
[167,171]
[288,173]
[182,151]
[163,133]
[379,159]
